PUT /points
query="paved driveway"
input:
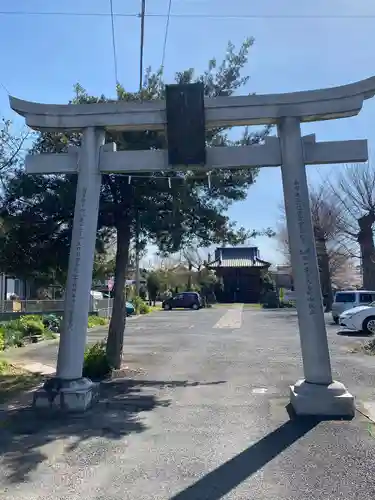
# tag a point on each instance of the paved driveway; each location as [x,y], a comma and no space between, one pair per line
[205,421]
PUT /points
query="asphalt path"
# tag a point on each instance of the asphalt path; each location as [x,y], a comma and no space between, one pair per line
[206,418]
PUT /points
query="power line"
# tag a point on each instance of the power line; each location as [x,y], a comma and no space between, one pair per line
[189,16]
[166,34]
[4,87]
[113,41]
[142,16]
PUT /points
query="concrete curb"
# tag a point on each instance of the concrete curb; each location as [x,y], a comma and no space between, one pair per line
[366,408]
[7,354]
[34,367]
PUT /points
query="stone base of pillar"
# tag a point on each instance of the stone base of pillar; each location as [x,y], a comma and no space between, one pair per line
[66,395]
[331,400]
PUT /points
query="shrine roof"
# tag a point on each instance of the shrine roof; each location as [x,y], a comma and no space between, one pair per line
[238,257]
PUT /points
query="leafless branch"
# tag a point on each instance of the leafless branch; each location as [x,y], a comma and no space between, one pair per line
[194,256]
[11,146]
[326,218]
[354,193]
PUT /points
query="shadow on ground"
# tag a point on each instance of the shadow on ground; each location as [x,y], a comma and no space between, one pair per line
[26,433]
[351,333]
[11,385]
[276,313]
[219,482]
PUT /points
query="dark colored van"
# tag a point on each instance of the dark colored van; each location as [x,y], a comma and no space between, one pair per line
[185,300]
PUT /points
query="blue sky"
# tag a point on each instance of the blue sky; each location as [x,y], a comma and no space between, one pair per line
[43,56]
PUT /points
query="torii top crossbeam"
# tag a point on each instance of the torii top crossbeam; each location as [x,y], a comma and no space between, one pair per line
[311,105]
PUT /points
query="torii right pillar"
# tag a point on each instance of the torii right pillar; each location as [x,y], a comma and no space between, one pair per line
[317,393]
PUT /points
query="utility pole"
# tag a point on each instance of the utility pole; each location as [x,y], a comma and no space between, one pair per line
[137,229]
[142,16]
[137,252]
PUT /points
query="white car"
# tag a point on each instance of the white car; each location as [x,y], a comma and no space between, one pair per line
[361,318]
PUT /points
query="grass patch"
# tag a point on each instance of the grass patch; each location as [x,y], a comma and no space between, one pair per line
[96,321]
[371,430]
[48,335]
[14,381]
[231,304]
[155,308]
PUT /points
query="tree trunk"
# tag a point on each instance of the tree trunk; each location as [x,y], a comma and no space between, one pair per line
[366,243]
[324,272]
[199,276]
[189,283]
[115,339]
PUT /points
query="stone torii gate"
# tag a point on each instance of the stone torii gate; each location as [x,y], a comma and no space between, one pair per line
[317,393]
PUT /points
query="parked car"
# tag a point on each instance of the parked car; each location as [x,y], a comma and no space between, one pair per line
[129,309]
[186,300]
[361,318]
[347,299]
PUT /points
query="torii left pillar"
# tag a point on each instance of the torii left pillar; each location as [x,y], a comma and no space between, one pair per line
[68,389]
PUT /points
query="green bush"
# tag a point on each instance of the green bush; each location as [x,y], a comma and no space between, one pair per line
[31,326]
[96,321]
[49,335]
[137,302]
[140,306]
[144,308]
[13,324]
[13,333]
[14,338]
[31,317]
[95,364]
[2,340]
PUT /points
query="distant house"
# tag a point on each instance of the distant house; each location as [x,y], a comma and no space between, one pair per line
[239,270]
[10,285]
[282,277]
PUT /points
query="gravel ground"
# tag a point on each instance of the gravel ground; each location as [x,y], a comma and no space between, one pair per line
[206,420]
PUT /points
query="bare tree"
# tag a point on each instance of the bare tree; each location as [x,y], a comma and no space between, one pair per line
[329,251]
[11,147]
[282,237]
[332,254]
[194,258]
[348,275]
[354,191]
[164,262]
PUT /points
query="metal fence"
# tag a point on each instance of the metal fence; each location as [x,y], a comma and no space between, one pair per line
[31,306]
[102,307]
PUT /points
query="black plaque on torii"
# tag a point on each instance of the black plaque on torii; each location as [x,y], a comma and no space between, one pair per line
[186,127]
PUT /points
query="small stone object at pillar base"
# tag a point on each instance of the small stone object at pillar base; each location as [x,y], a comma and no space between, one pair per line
[331,400]
[66,395]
